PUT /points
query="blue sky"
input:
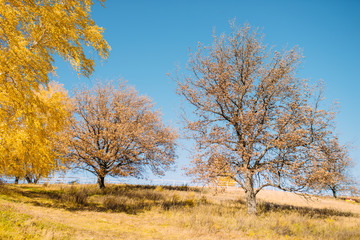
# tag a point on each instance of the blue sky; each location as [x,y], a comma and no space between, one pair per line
[151,38]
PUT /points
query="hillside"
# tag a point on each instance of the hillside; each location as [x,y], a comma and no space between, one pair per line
[150,212]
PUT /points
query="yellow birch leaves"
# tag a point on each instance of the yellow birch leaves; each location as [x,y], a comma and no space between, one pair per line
[31,33]
[29,142]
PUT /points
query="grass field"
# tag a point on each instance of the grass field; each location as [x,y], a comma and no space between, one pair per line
[150,212]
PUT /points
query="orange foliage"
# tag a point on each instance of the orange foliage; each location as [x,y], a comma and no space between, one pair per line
[256,121]
[116,132]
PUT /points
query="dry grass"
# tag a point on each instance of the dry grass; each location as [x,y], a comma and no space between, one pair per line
[148,212]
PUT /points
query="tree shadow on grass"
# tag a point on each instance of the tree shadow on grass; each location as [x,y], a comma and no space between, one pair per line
[33,193]
[130,199]
[265,207]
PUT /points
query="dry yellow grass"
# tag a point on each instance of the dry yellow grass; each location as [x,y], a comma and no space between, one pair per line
[280,197]
[140,212]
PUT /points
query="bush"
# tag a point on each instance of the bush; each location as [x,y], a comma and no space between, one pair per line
[76,195]
[175,201]
[114,203]
[124,204]
[203,200]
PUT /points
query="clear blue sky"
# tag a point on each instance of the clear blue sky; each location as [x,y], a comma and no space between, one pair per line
[150,38]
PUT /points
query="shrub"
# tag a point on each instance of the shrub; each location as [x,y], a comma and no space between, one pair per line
[203,200]
[114,203]
[76,195]
[175,201]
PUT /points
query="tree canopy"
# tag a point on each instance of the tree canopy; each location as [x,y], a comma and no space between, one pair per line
[29,144]
[255,120]
[335,176]
[31,34]
[116,132]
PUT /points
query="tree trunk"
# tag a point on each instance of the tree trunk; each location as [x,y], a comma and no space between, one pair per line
[334,192]
[28,179]
[101,182]
[16,180]
[250,194]
[36,178]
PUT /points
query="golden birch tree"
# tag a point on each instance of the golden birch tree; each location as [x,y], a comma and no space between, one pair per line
[254,120]
[29,143]
[32,32]
[116,132]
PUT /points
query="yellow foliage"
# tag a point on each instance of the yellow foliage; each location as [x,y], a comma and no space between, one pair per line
[28,142]
[226,182]
[31,33]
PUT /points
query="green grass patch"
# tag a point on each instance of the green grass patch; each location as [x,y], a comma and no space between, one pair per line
[14,225]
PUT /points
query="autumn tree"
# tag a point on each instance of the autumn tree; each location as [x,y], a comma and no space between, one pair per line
[31,34]
[255,121]
[29,146]
[116,132]
[335,176]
